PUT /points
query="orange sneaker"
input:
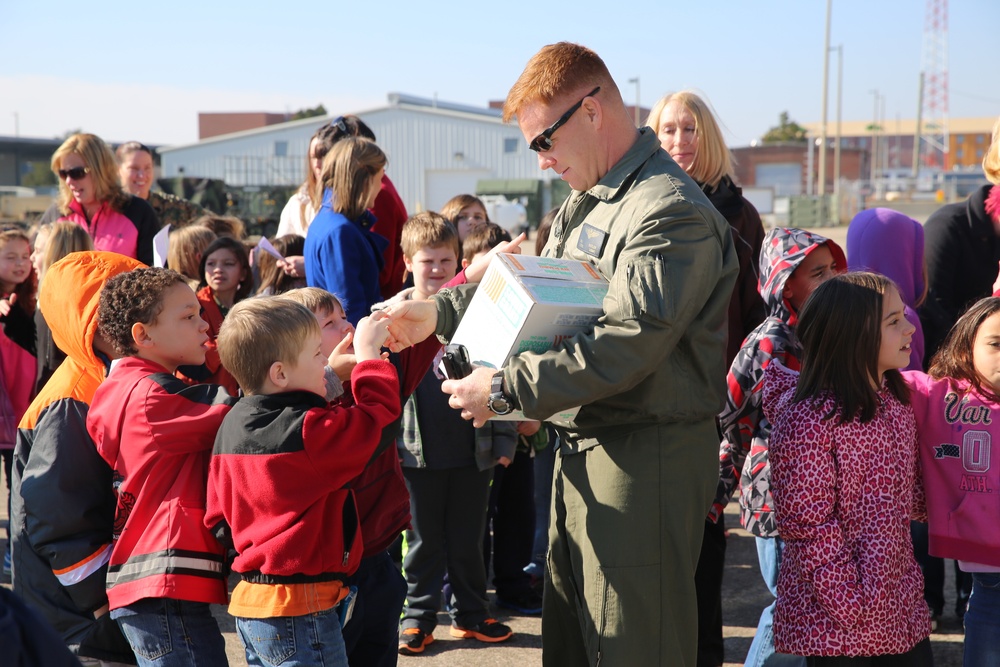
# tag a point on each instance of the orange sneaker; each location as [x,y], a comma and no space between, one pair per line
[412,641]
[490,630]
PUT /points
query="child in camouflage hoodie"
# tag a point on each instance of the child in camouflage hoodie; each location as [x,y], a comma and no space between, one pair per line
[793,262]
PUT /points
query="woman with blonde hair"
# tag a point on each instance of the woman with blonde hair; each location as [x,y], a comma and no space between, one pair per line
[689,132]
[389,210]
[90,195]
[342,254]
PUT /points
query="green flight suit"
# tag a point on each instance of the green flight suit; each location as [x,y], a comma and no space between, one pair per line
[638,468]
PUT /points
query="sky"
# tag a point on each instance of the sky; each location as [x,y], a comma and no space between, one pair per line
[143,70]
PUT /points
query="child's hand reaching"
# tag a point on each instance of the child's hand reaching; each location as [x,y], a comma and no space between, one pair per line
[343,360]
[5,304]
[371,334]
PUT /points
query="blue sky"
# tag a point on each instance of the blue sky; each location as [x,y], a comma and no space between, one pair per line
[144,70]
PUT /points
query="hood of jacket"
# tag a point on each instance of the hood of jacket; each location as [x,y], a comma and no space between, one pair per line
[783,250]
[887,242]
[70,294]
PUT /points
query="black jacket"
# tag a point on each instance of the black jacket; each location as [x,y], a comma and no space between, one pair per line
[962,250]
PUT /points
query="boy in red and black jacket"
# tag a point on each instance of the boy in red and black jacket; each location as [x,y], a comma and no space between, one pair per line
[279,481]
[156,433]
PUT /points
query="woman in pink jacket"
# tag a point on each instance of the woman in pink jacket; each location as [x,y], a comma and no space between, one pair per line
[844,476]
[90,195]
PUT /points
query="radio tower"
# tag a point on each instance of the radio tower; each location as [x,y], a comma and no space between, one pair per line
[934,105]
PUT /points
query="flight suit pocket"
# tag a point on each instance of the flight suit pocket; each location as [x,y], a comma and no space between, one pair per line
[643,296]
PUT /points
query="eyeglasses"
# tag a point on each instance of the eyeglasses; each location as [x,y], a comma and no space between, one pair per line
[76,173]
[543,141]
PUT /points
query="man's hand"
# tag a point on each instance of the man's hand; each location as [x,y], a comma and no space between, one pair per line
[475,271]
[410,323]
[470,394]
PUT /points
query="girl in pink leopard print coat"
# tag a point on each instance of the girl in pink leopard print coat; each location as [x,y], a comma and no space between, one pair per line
[845,479]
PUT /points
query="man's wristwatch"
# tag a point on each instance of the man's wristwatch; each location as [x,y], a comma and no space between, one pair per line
[498,402]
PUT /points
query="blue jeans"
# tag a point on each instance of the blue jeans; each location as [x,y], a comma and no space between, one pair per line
[762,653]
[982,621]
[172,633]
[293,641]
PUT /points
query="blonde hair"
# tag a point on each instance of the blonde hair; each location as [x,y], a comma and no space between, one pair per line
[558,70]
[101,165]
[713,159]
[991,162]
[258,332]
[429,230]
[65,237]
[348,170]
[187,245]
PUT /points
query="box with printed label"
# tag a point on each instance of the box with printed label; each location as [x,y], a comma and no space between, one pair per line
[527,303]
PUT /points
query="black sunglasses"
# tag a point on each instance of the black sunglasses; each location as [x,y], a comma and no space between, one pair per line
[543,141]
[76,173]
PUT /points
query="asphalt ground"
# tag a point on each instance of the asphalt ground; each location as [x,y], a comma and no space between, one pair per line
[743,591]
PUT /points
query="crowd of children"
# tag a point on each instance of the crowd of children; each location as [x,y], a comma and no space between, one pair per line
[186,429]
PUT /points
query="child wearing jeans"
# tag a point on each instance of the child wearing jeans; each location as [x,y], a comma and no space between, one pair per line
[157,433]
[279,485]
[957,406]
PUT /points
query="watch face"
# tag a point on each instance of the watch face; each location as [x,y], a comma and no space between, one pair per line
[499,405]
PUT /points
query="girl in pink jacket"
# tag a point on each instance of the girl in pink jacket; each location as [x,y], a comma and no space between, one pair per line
[845,481]
[958,412]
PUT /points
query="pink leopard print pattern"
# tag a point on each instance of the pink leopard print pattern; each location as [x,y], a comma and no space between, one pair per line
[844,495]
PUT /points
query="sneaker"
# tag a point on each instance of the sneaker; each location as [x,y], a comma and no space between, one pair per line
[413,641]
[529,603]
[491,630]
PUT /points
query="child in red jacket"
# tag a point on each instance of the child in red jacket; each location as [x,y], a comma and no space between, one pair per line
[279,483]
[157,433]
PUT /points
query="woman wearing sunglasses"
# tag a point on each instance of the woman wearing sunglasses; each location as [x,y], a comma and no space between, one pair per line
[90,195]
[689,132]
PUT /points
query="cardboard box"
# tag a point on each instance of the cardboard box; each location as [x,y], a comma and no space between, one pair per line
[530,303]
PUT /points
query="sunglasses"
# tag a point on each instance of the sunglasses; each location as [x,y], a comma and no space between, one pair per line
[76,173]
[543,141]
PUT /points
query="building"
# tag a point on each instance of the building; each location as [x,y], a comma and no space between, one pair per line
[968,140]
[784,167]
[436,150]
[213,124]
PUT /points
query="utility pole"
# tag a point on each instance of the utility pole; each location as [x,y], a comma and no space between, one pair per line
[836,148]
[826,86]
[635,80]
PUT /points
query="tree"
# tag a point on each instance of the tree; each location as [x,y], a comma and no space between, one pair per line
[39,174]
[318,110]
[786,130]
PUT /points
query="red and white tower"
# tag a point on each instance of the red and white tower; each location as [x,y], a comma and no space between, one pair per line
[934,106]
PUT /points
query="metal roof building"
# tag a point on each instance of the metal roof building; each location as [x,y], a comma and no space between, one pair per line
[436,150]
